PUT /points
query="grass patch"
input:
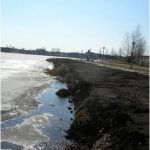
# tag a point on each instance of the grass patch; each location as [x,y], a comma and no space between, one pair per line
[126,66]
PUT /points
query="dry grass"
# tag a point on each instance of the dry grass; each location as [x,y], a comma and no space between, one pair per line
[58,71]
[126,66]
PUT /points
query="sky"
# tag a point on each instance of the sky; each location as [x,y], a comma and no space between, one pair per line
[71,25]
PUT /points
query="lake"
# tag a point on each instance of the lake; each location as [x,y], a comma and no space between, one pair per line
[35,117]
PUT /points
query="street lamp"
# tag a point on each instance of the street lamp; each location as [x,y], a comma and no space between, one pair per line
[133,44]
[81,53]
[103,54]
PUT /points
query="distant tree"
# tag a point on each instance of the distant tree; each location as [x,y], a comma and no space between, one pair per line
[112,54]
[100,53]
[106,54]
[57,49]
[140,49]
[120,52]
[115,54]
[126,44]
[44,48]
[53,50]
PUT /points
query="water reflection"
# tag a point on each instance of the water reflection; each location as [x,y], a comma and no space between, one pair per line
[60,119]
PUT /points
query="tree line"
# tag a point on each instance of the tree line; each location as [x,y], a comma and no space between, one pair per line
[133,48]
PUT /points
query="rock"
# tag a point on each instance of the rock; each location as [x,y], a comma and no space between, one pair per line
[63,93]
[70,99]
[78,92]
[69,108]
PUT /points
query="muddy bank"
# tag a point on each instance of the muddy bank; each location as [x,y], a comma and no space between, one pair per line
[111,106]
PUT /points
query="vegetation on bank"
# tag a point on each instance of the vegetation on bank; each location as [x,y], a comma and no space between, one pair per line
[122,64]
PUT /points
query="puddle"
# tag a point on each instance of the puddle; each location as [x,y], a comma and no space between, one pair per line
[43,128]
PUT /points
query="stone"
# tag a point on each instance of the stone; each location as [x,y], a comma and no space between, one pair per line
[63,93]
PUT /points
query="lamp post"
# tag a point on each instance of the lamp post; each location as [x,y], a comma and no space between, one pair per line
[103,54]
[133,44]
[81,53]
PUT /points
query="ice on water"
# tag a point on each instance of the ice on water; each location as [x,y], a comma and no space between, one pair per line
[19,73]
[15,63]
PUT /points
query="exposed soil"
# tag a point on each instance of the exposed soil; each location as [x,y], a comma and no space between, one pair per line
[111,106]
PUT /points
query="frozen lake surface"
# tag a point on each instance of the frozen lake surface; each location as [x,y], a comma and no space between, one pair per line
[20,73]
[24,88]
[16,63]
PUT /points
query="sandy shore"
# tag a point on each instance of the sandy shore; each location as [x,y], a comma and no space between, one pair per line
[111,106]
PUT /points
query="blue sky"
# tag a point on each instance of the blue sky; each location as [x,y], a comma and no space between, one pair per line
[71,25]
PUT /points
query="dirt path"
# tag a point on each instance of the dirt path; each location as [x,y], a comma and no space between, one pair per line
[111,106]
[114,67]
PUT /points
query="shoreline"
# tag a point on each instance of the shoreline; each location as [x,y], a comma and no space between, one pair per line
[111,106]
[50,120]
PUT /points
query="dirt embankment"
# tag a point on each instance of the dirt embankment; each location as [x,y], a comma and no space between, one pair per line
[111,106]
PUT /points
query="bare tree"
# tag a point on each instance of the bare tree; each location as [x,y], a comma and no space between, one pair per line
[137,51]
[100,53]
[103,54]
[112,54]
[57,49]
[120,52]
[115,54]
[126,44]
[140,48]
[106,54]
[53,50]
[44,48]
[147,51]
